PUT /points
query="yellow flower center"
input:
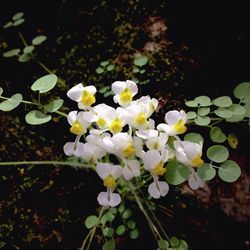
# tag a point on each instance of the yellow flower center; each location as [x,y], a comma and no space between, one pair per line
[129,150]
[180,127]
[109,181]
[101,122]
[159,169]
[141,119]
[115,126]
[197,161]
[76,128]
[87,98]
[126,96]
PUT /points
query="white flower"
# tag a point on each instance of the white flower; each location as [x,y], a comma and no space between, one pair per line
[124,92]
[78,122]
[158,188]
[83,95]
[188,153]
[131,169]
[109,173]
[71,148]
[175,123]
[194,181]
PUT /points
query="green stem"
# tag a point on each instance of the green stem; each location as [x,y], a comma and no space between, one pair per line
[22,38]
[64,163]
[91,233]
[154,230]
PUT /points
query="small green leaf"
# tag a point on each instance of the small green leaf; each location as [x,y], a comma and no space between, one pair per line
[242,92]
[229,171]
[203,100]
[7,25]
[233,140]
[104,63]
[202,120]
[120,230]
[182,245]
[1,91]
[17,16]
[10,53]
[111,67]
[131,224]
[91,221]
[223,101]
[238,113]
[18,22]
[38,40]
[191,115]
[134,234]
[54,105]
[192,104]
[121,208]
[223,112]
[109,245]
[194,137]
[247,108]
[99,70]
[217,153]
[24,58]
[28,49]
[104,89]
[108,231]
[108,93]
[36,117]
[107,217]
[203,111]
[217,135]
[174,242]
[175,173]
[135,69]
[127,213]
[11,103]
[206,172]
[163,244]
[45,83]
[135,80]
[142,71]
[141,61]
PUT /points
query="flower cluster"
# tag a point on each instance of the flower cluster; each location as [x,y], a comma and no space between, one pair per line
[128,133]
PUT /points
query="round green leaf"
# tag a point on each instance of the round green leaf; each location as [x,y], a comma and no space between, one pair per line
[191,115]
[131,224]
[142,71]
[36,117]
[203,100]
[1,91]
[238,113]
[111,67]
[7,25]
[182,245]
[202,120]
[229,171]
[135,70]
[141,61]
[233,140]
[223,101]
[217,135]
[203,111]
[174,242]
[28,49]
[38,40]
[108,231]
[91,221]
[223,112]
[120,230]
[18,22]
[11,103]
[247,108]
[242,91]
[206,172]
[24,58]
[17,16]
[54,105]
[104,63]
[192,104]
[10,53]
[99,70]
[194,137]
[175,173]
[127,213]
[45,83]
[107,217]
[217,153]
[109,245]
[163,244]
[134,234]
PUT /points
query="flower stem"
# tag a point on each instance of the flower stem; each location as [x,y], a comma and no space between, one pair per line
[22,38]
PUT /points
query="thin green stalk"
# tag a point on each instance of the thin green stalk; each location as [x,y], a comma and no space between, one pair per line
[22,38]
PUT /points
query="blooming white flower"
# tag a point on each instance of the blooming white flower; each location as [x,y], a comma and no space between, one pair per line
[78,122]
[83,95]
[124,92]
[188,153]
[109,173]
[175,123]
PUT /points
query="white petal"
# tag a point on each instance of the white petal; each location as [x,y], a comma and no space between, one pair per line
[163,187]
[103,170]
[164,128]
[132,86]
[172,117]
[134,165]
[72,117]
[115,171]
[151,159]
[154,191]
[183,116]
[192,182]
[127,173]
[118,87]
[191,149]
[68,148]
[91,89]
[115,199]
[75,92]
[79,149]
[116,98]
[90,116]
[102,198]
[200,182]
